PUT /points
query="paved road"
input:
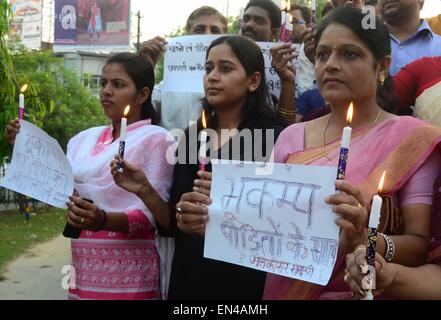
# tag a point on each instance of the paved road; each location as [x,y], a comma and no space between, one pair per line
[36,275]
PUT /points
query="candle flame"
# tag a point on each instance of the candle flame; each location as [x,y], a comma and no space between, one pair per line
[380,185]
[286,5]
[24,88]
[204,121]
[350,113]
[126,111]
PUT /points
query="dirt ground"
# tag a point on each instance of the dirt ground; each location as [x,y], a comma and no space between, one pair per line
[37,274]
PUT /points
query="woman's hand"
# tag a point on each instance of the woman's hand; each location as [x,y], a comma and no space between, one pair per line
[351,209]
[192,213]
[357,278]
[131,179]
[203,184]
[12,129]
[82,214]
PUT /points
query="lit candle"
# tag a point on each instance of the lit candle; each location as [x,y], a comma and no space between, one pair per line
[122,137]
[203,159]
[21,106]
[285,21]
[371,241]
[313,13]
[345,141]
[289,28]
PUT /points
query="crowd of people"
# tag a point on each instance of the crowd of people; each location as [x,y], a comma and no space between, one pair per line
[143,233]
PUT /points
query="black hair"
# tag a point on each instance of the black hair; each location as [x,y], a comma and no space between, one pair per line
[306,12]
[257,104]
[326,9]
[274,12]
[140,70]
[377,39]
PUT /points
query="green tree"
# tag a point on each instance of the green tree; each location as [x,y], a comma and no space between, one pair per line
[8,83]
[233,25]
[56,100]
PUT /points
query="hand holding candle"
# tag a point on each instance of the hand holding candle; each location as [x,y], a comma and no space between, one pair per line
[21,105]
[345,142]
[122,137]
[203,159]
[371,241]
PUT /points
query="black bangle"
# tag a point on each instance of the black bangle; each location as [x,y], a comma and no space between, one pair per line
[103,222]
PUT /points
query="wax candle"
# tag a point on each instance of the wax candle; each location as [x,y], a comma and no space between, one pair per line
[203,159]
[285,26]
[345,142]
[21,105]
[122,137]
[313,15]
[371,241]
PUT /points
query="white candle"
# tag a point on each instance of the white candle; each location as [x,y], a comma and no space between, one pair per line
[345,142]
[346,137]
[21,101]
[203,149]
[21,105]
[289,22]
[122,133]
[374,218]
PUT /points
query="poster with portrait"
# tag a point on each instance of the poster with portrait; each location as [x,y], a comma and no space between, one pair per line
[92,23]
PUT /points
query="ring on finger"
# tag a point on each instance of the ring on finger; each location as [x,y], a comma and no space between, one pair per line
[82,221]
[178,208]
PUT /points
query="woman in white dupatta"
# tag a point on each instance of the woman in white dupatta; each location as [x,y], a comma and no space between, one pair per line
[119,254]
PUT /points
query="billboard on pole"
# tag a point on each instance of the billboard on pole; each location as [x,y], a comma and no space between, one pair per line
[25,25]
[92,23]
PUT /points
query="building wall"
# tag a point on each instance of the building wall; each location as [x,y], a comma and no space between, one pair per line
[87,67]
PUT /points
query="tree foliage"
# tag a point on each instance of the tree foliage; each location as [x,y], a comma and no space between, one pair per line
[55,100]
[8,83]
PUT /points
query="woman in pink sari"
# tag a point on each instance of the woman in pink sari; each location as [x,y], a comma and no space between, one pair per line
[119,255]
[404,146]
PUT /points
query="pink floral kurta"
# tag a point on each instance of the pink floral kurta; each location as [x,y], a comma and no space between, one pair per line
[112,265]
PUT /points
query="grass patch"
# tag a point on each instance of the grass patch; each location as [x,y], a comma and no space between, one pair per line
[16,235]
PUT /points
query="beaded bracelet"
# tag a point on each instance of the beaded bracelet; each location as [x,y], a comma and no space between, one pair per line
[390,247]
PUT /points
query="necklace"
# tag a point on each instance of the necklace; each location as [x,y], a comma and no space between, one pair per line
[327,125]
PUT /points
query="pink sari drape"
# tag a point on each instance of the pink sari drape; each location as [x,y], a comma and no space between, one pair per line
[400,146]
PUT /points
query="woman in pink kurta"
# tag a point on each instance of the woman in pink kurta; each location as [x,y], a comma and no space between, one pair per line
[351,67]
[119,254]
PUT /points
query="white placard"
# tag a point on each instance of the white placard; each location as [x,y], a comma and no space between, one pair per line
[184,64]
[277,223]
[39,168]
